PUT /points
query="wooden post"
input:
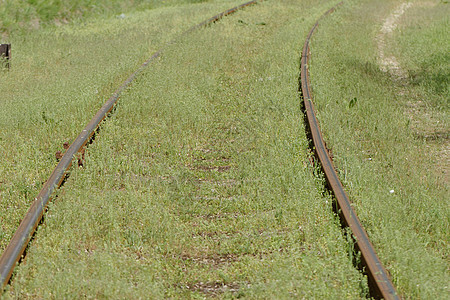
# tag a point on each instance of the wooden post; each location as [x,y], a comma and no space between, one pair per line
[5,55]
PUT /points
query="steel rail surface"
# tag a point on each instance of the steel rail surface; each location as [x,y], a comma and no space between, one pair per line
[379,281]
[27,227]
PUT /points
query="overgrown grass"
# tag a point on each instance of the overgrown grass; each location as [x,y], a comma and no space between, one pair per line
[420,44]
[16,16]
[200,183]
[56,85]
[392,173]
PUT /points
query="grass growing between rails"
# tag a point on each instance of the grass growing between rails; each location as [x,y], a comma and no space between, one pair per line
[200,184]
[392,174]
[58,80]
[16,16]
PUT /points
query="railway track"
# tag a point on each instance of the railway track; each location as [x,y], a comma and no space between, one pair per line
[379,282]
[15,250]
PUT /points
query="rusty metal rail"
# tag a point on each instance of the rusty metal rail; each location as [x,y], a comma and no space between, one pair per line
[380,284]
[16,248]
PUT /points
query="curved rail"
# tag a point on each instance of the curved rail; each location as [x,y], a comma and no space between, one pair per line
[27,227]
[379,281]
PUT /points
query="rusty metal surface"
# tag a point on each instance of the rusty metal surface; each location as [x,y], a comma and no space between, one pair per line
[379,282]
[27,227]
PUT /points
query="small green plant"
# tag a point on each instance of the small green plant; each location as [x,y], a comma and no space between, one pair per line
[352,102]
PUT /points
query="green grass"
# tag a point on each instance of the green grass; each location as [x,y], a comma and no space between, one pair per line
[17,16]
[366,119]
[420,45]
[200,184]
[55,86]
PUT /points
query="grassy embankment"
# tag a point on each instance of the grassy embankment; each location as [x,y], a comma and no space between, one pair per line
[199,185]
[389,136]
